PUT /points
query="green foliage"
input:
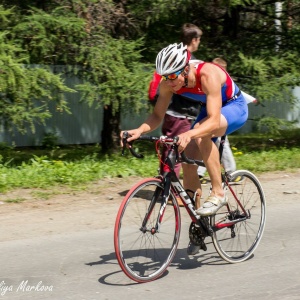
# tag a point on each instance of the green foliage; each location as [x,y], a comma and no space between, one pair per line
[112,45]
[15,200]
[268,79]
[114,75]
[4,146]
[50,140]
[270,161]
[25,92]
[77,166]
[241,31]
[274,125]
[80,35]
[50,38]
[5,15]
[43,172]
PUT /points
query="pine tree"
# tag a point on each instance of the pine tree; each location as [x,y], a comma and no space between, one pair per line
[25,92]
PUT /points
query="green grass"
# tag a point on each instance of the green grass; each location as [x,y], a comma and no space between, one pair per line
[270,161]
[15,200]
[77,166]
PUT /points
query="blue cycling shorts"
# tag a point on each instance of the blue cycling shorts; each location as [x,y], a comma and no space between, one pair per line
[235,112]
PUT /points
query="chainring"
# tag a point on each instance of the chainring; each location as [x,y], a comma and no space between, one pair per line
[196,236]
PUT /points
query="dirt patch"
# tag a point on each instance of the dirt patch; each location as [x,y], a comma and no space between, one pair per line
[61,210]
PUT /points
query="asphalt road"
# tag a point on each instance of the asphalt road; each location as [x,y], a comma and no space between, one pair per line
[82,265]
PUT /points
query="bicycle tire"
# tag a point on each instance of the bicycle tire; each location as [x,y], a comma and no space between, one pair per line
[143,255]
[238,242]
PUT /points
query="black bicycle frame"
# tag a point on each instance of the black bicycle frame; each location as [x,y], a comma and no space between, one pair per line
[171,181]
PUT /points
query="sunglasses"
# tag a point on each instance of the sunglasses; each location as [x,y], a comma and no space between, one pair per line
[172,76]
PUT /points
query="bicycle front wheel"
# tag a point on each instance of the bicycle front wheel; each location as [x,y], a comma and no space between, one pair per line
[143,250]
[236,234]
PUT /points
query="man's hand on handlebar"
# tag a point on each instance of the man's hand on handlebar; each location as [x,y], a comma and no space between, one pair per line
[126,142]
[131,135]
[183,141]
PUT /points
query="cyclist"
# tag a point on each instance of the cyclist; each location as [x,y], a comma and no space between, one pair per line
[182,112]
[224,110]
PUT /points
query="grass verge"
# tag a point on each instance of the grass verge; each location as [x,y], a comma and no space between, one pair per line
[78,165]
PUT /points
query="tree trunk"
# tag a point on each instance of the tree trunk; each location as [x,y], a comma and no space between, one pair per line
[110,140]
[231,22]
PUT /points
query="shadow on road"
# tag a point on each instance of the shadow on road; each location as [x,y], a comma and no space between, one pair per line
[181,261]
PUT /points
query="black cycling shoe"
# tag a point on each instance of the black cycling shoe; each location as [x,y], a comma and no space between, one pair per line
[192,249]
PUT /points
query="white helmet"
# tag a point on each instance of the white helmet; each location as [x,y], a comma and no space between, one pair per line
[172,59]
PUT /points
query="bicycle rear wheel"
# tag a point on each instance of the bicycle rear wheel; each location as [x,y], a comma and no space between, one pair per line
[143,252]
[235,236]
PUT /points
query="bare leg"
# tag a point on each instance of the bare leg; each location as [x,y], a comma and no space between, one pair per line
[190,176]
[191,181]
[210,156]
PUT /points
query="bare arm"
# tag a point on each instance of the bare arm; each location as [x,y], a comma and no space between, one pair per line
[154,119]
[161,106]
[212,80]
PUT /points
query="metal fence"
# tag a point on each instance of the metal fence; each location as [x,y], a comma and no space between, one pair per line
[84,125]
[279,110]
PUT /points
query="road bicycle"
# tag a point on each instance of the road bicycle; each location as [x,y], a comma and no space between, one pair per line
[148,223]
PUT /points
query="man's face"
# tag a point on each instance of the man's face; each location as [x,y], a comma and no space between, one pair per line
[176,83]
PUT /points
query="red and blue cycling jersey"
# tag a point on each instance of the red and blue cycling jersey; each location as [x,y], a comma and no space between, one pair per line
[235,112]
[229,89]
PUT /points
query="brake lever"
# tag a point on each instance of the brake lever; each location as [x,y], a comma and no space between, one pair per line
[132,151]
[124,141]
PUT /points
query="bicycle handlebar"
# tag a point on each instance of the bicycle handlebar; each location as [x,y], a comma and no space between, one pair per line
[163,139]
[189,160]
[132,151]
